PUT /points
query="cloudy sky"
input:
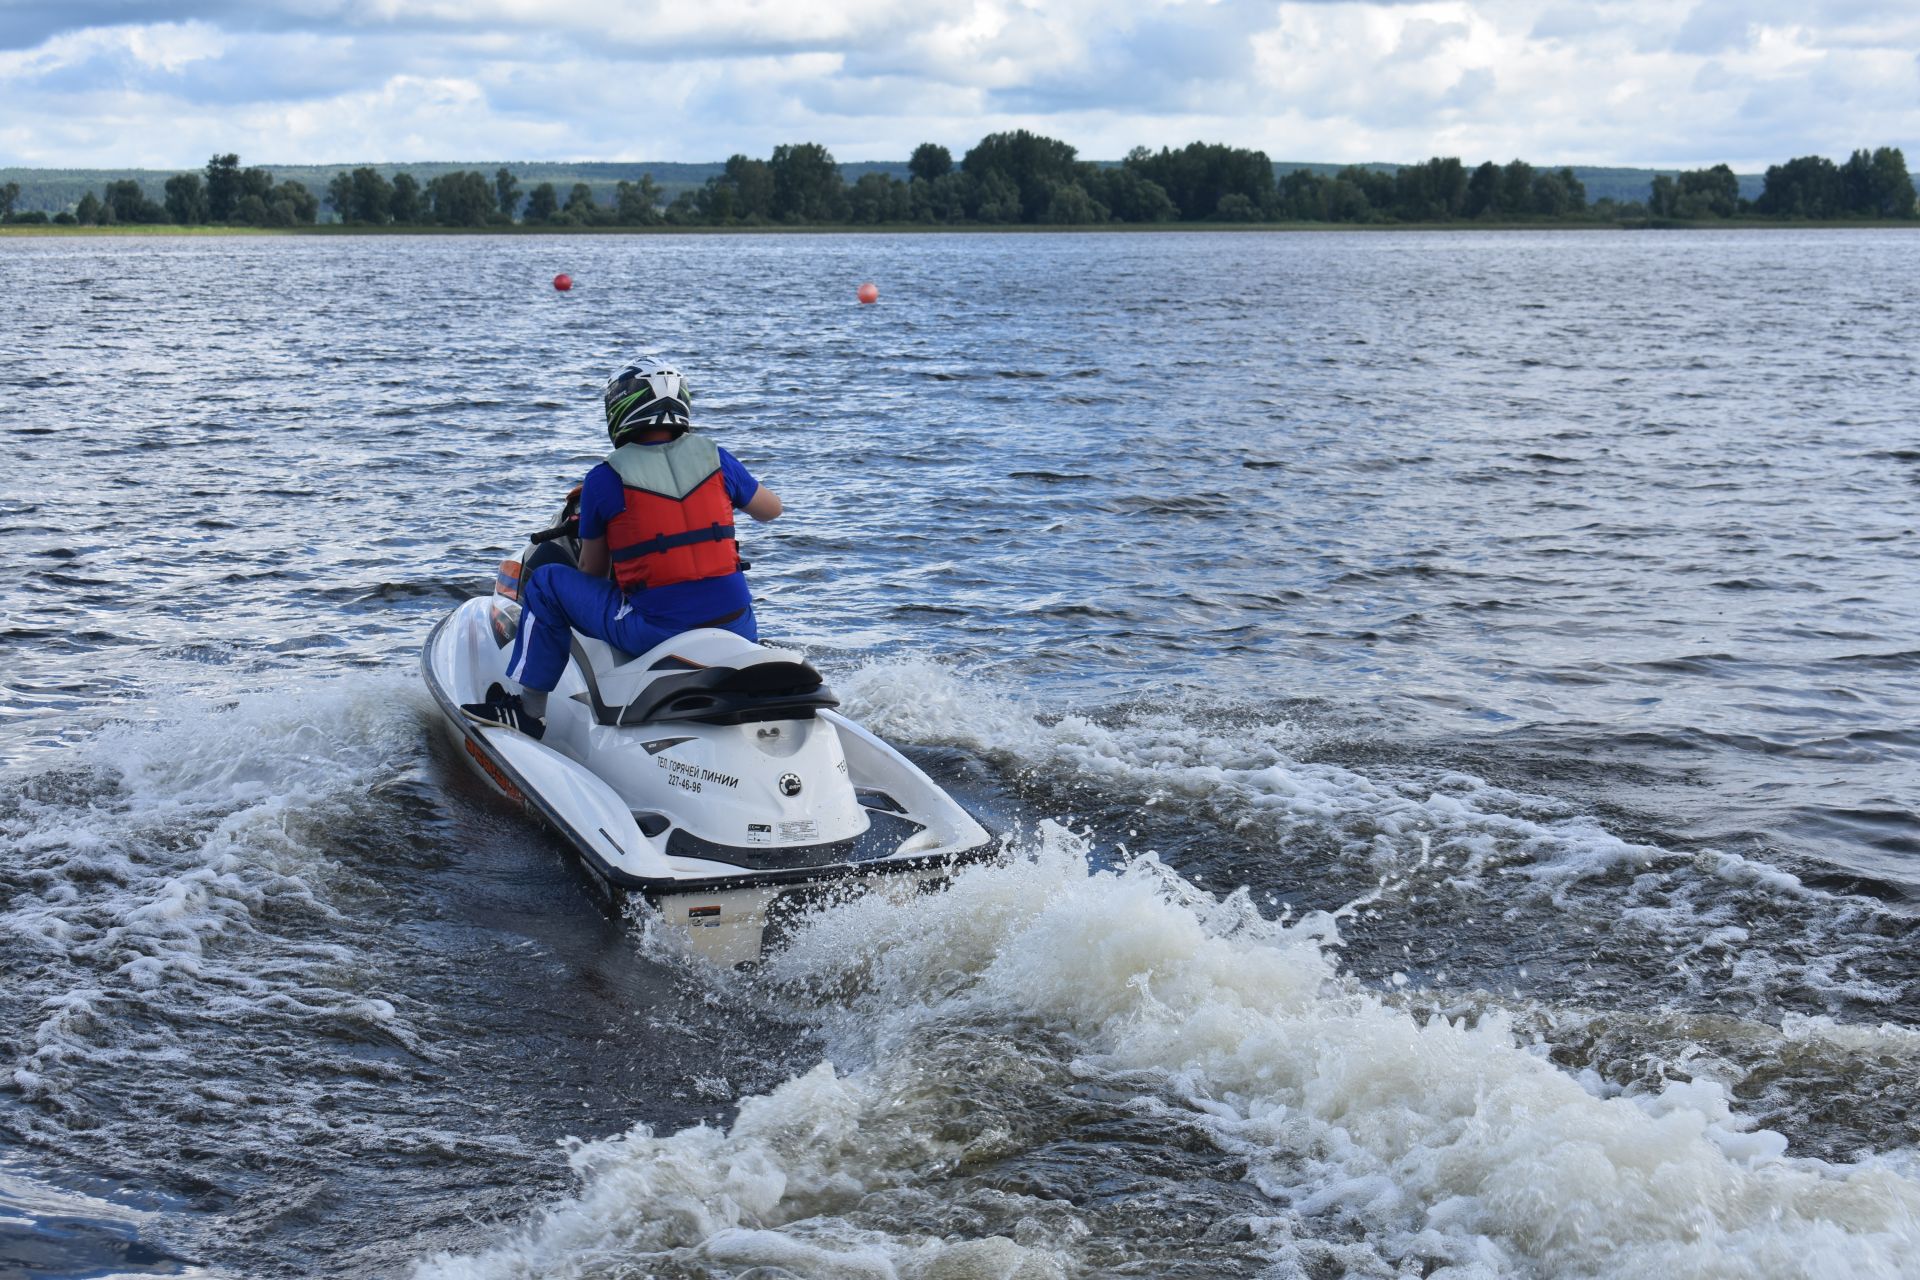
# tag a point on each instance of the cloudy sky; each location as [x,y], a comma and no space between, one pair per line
[163,83]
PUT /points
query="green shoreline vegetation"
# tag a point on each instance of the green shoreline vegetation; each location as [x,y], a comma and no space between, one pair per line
[1007,182]
[325,230]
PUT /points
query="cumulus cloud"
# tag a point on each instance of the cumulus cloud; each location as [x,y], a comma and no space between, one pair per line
[1422,38]
[162,83]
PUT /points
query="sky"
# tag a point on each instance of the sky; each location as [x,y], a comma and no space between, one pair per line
[165,83]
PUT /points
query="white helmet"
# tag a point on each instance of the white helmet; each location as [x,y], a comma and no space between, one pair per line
[647,395]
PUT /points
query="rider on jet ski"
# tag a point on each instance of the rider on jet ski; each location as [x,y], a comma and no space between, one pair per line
[659,513]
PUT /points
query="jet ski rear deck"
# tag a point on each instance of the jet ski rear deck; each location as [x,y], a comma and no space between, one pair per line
[710,775]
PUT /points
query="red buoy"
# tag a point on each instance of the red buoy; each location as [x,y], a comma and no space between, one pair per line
[563,282]
[869,292]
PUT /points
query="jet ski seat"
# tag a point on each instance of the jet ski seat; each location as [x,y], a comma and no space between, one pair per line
[777,690]
[770,685]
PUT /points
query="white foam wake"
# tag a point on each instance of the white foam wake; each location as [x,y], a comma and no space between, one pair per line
[1246,775]
[1442,844]
[1452,1148]
[171,867]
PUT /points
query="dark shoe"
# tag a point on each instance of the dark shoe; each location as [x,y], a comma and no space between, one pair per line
[504,708]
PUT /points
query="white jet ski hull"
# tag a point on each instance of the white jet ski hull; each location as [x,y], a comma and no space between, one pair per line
[726,828]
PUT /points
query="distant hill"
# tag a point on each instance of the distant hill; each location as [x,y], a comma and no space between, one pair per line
[52,190]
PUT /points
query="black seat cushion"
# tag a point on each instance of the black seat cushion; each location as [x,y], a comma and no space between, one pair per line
[731,695]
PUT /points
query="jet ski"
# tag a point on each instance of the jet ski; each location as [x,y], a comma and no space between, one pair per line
[710,776]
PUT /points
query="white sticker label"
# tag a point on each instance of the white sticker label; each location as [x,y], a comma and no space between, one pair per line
[799,832]
[759,833]
[689,777]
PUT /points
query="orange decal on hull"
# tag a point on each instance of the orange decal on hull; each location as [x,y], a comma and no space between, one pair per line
[493,771]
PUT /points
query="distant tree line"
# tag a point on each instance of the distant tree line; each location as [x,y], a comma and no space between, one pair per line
[1440,190]
[1012,178]
[1873,185]
[1021,177]
[366,197]
[223,193]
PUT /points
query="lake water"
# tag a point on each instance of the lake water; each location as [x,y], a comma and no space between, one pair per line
[1478,670]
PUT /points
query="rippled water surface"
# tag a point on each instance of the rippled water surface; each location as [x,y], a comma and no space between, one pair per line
[1526,622]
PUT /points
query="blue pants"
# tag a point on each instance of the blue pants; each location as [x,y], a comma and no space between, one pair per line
[559,599]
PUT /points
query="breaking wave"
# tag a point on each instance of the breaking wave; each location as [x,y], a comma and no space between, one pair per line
[182,874]
[1376,1141]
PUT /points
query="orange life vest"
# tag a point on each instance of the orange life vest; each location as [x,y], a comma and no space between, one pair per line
[678,522]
